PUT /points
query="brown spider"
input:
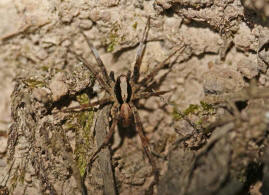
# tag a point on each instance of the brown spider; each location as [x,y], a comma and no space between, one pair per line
[123,92]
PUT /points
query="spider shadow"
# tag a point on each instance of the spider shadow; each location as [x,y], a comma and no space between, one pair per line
[66,100]
[130,131]
[124,132]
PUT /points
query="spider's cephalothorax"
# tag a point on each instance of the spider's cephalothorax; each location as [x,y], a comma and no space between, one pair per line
[123,92]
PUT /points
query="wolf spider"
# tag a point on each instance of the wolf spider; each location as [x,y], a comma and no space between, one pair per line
[124,92]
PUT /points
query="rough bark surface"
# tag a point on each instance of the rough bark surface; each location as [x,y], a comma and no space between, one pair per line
[210,136]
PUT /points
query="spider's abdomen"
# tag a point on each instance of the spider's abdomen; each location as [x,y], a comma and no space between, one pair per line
[126,115]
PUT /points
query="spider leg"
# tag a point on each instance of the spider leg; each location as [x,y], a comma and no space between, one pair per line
[149,94]
[145,143]
[97,58]
[87,106]
[155,71]
[155,84]
[108,136]
[139,53]
[103,84]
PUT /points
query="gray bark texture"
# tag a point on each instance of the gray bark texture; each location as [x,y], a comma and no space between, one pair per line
[209,136]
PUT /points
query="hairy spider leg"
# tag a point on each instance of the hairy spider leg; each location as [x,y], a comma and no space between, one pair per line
[139,53]
[109,135]
[145,143]
[103,84]
[157,83]
[160,66]
[98,59]
[87,106]
[144,95]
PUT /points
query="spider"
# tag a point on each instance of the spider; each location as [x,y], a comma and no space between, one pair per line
[123,92]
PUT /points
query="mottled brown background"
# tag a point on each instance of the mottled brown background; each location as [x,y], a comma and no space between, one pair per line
[226,48]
